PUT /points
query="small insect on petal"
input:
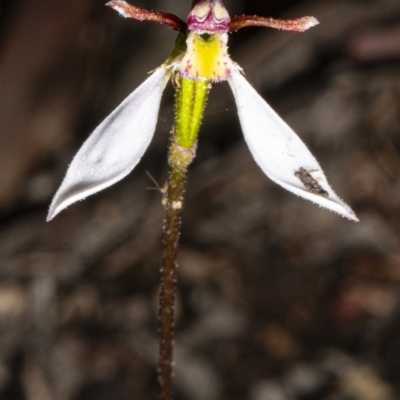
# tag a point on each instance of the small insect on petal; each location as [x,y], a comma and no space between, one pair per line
[116,145]
[279,152]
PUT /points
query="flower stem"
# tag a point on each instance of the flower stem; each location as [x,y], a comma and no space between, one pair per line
[189,106]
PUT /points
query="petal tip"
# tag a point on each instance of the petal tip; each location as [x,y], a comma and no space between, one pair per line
[111,4]
[351,216]
[50,216]
[337,205]
[53,212]
[311,22]
[118,6]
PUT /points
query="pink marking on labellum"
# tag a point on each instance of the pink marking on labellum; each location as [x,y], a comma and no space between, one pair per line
[208,16]
[128,11]
[295,25]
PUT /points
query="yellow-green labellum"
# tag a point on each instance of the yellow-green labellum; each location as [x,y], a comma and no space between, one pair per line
[206,58]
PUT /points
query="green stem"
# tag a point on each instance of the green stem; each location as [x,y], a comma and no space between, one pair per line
[189,106]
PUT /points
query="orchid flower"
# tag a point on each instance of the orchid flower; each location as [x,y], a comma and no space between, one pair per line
[199,59]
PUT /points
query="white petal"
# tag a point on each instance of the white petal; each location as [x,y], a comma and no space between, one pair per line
[116,145]
[279,152]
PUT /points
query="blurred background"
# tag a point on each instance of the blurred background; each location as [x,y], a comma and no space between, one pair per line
[278,299]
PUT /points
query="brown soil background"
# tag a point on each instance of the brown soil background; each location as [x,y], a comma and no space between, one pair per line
[278,299]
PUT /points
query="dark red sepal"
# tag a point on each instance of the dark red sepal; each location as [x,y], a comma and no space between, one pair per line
[141,14]
[296,25]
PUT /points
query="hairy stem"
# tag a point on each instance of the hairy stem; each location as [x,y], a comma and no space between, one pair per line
[189,108]
[173,205]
